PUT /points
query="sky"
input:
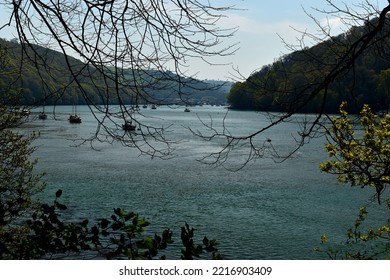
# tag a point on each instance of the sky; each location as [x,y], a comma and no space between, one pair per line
[263,24]
[261,27]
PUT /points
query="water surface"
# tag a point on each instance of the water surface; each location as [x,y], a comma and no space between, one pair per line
[267,210]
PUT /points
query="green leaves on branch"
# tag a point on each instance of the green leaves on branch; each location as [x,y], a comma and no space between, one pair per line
[191,250]
[363,243]
[18,184]
[360,153]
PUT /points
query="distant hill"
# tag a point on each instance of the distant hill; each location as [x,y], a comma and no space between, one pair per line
[56,86]
[286,82]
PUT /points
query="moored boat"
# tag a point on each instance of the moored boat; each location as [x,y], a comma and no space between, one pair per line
[42,116]
[74,119]
[129,126]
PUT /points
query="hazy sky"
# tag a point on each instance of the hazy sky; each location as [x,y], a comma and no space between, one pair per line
[261,24]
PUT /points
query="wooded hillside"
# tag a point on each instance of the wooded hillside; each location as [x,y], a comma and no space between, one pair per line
[29,74]
[283,84]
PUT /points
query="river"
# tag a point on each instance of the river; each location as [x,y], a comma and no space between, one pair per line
[266,210]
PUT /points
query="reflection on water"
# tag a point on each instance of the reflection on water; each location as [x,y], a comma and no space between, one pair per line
[265,211]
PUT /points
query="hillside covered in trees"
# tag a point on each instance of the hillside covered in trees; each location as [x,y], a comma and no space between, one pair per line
[44,77]
[284,85]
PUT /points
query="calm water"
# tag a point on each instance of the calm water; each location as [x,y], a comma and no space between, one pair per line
[265,211]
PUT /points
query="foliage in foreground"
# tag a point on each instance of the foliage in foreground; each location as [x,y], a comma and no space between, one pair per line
[360,155]
[46,235]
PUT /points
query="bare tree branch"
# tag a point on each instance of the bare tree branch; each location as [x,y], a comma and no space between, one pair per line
[318,73]
[128,50]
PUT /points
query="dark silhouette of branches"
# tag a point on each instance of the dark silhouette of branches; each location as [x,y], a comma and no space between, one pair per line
[128,51]
[318,70]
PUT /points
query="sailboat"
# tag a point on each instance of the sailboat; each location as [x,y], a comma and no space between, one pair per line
[128,125]
[74,118]
[42,115]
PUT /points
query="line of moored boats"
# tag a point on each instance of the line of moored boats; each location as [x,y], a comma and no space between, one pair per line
[75,118]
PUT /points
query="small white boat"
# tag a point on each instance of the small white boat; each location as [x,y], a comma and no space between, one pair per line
[25,112]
